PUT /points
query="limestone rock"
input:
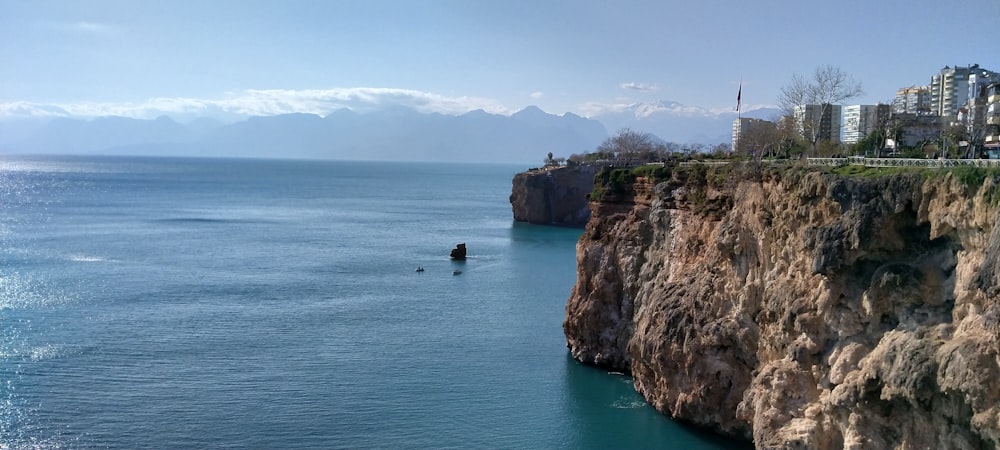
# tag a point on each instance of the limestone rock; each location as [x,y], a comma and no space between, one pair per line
[799,309]
[553,196]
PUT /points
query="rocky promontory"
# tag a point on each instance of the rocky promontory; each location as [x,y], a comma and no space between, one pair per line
[799,308]
[553,195]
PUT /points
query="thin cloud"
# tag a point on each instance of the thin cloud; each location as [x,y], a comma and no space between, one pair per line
[645,87]
[536,95]
[78,28]
[744,108]
[593,109]
[91,27]
[265,102]
[27,109]
[643,110]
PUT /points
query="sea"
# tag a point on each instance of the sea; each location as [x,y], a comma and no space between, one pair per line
[248,303]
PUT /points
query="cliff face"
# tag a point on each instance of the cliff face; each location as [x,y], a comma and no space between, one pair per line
[553,196]
[800,310]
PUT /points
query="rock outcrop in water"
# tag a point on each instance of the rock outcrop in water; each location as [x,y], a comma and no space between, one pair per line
[458,252]
[553,196]
[800,309]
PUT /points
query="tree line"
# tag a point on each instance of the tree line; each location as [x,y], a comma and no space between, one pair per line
[631,148]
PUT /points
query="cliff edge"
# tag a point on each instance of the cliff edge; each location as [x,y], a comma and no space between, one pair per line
[800,309]
[553,195]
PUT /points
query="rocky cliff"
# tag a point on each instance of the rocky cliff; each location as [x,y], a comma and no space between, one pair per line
[800,309]
[553,196]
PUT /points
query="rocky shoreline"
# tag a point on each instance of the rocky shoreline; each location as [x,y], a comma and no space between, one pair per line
[800,309]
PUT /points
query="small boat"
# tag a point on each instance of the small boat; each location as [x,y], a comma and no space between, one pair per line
[457,272]
[420,269]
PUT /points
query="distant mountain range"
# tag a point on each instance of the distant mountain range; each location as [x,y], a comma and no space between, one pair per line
[395,133]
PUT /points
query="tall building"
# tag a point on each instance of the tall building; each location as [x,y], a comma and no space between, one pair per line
[973,116]
[991,140]
[861,120]
[751,135]
[912,100]
[739,127]
[950,89]
[978,81]
[818,123]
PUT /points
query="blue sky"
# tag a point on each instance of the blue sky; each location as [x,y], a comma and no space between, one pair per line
[144,58]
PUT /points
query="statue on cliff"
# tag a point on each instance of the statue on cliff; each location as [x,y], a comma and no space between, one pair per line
[458,252]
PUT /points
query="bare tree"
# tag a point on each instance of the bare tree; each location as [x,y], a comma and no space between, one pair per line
[628,147]
[788,137]
[797,92]
[828,86]
[887,127]
[757,137]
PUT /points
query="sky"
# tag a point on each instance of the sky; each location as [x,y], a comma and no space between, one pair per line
[254,57]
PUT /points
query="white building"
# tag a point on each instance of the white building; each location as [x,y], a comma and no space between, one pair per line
[818,123]
[951,88]
[979,80]
[991,139]
[861,120]
[912,100]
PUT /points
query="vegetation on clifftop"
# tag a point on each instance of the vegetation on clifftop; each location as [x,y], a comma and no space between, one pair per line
[618,181]
[698,178]
[973,178]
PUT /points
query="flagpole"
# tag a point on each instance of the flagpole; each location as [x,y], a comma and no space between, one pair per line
[739,117]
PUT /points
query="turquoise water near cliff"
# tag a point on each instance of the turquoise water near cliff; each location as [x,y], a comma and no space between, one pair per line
[189,303]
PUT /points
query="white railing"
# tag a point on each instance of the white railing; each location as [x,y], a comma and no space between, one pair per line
[903,162]
[871,162]
[706,163]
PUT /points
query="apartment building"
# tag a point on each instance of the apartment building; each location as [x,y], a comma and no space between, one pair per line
[818,123]
[861,120]
[953,87]
[912,100]
[991,141]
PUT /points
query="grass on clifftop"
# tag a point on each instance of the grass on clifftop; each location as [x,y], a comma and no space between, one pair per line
[618,181]
[873,172]
[970,177]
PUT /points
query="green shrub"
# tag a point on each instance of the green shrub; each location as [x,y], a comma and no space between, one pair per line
[875,172]
[620,179]
[974,177]
[971,177]
[597,194]
[697,176]
[654,172]
[613,181]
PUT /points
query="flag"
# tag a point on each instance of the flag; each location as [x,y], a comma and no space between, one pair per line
[739,94]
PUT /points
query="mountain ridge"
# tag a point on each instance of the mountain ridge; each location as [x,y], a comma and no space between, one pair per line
[396,132]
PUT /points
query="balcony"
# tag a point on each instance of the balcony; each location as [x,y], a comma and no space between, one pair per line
[992,139]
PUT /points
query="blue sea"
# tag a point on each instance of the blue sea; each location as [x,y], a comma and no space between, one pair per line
[199,303]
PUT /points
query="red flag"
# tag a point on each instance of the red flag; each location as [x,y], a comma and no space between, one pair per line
[738,95]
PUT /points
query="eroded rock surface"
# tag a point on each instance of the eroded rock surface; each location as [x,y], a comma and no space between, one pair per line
[553,196]
[800,310]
